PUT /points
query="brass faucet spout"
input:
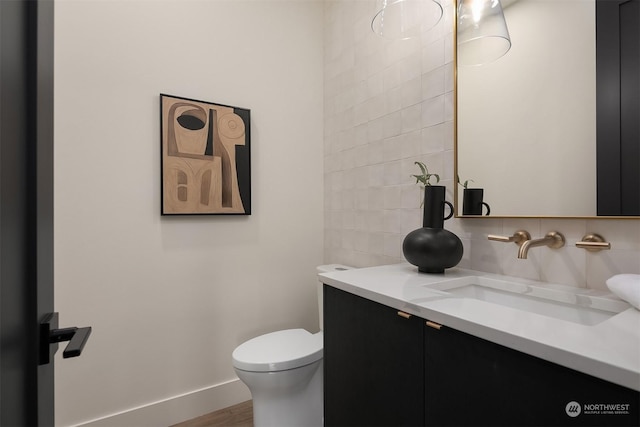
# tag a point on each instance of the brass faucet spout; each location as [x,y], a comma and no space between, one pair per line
[553,239]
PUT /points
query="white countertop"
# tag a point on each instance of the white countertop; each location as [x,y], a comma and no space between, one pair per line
[609,350]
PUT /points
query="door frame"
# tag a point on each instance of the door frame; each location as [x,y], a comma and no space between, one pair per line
[26,209]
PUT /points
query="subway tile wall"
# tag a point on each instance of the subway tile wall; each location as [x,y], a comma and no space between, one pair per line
[388,104]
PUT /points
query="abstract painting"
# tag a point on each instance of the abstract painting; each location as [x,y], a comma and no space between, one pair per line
[205,157]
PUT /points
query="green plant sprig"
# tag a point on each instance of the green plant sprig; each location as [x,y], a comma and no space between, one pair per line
[425,177]
[466,183]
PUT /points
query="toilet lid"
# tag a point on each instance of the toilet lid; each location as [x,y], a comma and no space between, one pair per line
[278,351]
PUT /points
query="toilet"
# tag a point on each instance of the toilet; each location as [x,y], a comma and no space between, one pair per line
[283,371]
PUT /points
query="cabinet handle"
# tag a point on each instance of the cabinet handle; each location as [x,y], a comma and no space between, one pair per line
[403,314]
[434,325]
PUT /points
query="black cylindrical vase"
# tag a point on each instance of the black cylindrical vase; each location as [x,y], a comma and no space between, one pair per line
[432,248]
[472,202]
[433,206]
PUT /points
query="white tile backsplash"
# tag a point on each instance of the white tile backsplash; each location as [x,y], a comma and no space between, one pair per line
[360,113]
[391,77]
[374,130]
[411,92]
[393,101]
[376,153]
[389,104]
[393,244]
[602,265]
[486,255]
[360,134]
[411,143]
[433,83]
[411,67]
[392,221]
[392,197]
[433,111]
[566,265]
[411,118]
[393,173]
[433,55]
[376,243]
[392,123]
[376,106]
[515,224]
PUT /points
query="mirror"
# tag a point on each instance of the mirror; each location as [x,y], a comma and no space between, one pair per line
[526,123]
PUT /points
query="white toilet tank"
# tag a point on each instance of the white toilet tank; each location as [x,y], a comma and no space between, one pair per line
[326,269]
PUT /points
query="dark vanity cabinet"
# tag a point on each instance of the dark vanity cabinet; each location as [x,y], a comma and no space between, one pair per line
[373,367]
[473,382]
[384,368]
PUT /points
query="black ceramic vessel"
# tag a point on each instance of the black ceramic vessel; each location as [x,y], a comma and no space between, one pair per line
[432,248]
[472,202]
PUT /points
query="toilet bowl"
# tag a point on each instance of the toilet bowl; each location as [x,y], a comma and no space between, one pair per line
[283,371]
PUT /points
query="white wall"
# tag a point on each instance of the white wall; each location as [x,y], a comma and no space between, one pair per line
[389,104]
[169,298]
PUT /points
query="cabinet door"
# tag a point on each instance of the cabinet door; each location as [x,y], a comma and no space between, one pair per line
[373,363]
[473,382]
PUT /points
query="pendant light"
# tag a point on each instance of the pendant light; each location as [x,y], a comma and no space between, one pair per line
[404,19]
[482,34]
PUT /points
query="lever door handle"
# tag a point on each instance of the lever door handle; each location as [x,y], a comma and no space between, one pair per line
[77,338]
[50,334]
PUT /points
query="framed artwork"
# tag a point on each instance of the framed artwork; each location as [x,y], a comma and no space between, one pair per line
[206,149]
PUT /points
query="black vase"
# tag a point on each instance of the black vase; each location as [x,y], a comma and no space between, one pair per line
[472,202]
[432,248]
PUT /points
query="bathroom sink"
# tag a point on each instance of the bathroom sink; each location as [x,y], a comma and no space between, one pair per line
[578,305]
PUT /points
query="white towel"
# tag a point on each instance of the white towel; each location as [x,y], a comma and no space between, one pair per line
[627,287]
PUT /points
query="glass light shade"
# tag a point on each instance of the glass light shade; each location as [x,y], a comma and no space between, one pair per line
[483,36]
[404,19]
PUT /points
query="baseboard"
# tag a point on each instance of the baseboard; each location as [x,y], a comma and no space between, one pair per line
[179,408]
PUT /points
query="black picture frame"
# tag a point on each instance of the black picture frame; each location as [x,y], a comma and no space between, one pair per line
[205,157]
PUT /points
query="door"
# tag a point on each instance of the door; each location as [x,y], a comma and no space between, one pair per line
[26,209]
[618,106]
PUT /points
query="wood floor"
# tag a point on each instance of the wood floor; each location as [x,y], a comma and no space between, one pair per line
[240,415]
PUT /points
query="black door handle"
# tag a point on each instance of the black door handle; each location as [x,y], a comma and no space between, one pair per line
[77,338]
[50,334]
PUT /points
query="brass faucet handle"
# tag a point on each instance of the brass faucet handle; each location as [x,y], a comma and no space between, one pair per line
[519,237]
[557,239]
[593,243]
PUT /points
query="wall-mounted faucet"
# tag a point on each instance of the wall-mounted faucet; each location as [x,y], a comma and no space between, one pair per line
[553,239]
[522,238]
